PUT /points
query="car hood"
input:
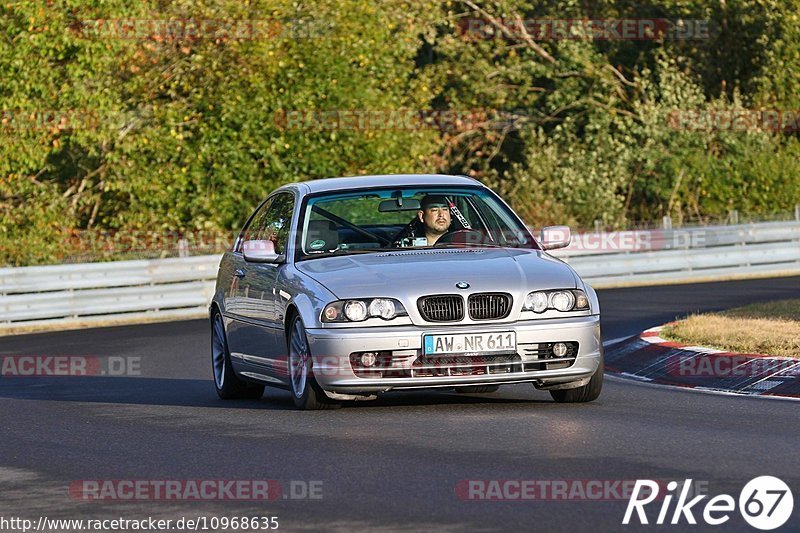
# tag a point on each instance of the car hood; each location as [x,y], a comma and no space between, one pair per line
[414,273]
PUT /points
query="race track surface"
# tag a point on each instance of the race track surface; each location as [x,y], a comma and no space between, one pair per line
[394,463]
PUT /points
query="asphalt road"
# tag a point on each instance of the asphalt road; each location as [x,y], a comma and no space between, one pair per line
[394,463]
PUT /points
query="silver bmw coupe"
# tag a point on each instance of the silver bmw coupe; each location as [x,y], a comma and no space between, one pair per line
[340,289]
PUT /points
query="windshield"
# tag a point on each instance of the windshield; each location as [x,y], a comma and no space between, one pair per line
[400,218]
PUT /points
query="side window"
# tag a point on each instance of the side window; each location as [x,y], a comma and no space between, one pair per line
[278,221]
[270,225]
[249,231]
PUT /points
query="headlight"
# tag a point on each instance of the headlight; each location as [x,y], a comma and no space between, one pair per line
[536,302]
[383,308]
[332,313]
[581,301]
[564,301]
[355,310]
[360,310]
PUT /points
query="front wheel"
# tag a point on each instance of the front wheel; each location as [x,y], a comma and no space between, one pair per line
[228,385]
[306,393]
[587,393]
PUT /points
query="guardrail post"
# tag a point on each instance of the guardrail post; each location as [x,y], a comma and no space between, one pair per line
[733,217]
[598,225]
[797,212]
[666,222]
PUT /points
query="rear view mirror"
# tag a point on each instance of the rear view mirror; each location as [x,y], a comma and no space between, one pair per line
[399,204]
[261,251]
[555,237]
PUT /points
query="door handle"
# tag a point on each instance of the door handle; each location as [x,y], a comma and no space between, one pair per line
[239,273]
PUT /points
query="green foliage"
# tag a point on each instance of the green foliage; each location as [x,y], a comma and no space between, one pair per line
[614,130]
[188,134]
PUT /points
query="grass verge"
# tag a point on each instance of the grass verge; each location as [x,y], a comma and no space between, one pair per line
[771,328]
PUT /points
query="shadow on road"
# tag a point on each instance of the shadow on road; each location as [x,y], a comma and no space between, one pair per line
[200,393]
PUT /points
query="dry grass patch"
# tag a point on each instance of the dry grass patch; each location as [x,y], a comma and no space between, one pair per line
[771,328]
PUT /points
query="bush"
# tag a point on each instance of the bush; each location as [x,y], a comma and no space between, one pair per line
[183,135]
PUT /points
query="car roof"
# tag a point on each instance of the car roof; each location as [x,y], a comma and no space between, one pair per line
[387,180]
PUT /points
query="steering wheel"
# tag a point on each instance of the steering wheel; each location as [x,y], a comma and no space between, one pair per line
[404,232]
[463,237]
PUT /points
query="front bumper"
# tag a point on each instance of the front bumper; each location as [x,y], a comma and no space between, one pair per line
[331,349]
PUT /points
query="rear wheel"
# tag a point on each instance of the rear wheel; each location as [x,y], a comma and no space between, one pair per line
[306,393]
[477,389]
[587,393]
[228,385]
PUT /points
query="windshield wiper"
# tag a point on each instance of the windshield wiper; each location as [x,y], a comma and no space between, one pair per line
[342,251]
[462,245]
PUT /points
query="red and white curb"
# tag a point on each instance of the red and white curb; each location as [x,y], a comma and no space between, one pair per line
[648,357]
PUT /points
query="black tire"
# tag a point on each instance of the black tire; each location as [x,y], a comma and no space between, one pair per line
[587,393]
[306,392]
[227,384]
[477,389]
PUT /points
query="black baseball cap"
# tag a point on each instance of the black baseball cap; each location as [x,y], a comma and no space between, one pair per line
[434,200]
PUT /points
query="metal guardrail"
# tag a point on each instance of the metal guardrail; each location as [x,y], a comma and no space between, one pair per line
[701,253]
[594,243]
[37,296]
[34,297]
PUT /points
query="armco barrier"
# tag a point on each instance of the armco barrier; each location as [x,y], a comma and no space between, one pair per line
[99,292]
[36,297]
[701,253]
[592,243]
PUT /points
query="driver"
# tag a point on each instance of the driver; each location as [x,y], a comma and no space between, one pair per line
[434,214]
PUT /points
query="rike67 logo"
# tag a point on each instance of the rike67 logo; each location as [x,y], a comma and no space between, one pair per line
[765,503]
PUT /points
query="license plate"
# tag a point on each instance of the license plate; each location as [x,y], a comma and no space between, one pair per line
[503,341]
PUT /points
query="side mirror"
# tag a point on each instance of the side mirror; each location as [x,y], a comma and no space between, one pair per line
[262,251]
[555,237]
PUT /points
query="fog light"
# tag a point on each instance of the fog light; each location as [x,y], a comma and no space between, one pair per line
[369,359]
[559,349]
